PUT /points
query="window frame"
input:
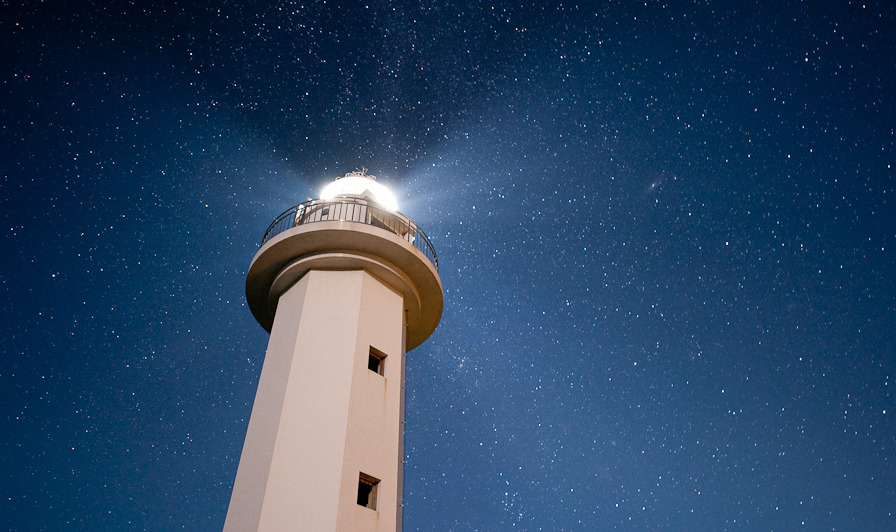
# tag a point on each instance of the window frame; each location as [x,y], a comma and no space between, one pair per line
[377,358]
[369,484]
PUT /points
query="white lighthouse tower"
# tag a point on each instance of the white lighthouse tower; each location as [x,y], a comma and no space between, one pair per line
[346,286]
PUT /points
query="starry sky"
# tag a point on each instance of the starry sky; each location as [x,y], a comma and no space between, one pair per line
[666,233]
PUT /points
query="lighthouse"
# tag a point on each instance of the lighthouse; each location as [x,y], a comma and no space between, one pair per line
[346,285]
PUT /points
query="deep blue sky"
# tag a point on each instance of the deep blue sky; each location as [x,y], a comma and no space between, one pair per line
[667,236]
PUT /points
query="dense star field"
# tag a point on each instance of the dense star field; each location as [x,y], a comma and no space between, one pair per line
[666,232]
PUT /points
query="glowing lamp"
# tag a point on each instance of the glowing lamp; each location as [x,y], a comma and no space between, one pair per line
[359,184]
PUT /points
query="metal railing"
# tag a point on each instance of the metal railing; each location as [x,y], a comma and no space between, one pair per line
[353,210]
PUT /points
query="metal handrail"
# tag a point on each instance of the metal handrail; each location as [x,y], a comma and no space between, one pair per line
[353,210]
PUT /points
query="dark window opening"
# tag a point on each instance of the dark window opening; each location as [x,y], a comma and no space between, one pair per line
[376,361]
[367,491]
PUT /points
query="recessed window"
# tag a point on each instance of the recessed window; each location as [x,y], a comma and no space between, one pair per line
[376,361]
[367,491]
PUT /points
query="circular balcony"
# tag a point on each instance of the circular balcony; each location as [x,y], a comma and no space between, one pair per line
[353,210]
[348,234]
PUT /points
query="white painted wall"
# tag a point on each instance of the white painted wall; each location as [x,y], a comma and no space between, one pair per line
[320,416]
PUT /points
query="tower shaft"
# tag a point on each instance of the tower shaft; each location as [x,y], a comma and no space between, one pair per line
[323,450]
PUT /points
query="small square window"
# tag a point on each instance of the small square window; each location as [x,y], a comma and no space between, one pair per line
[376,361]
[367,491]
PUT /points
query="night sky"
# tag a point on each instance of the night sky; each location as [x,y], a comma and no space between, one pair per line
[666,232]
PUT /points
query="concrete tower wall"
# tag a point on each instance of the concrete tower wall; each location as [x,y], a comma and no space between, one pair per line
[321,417]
